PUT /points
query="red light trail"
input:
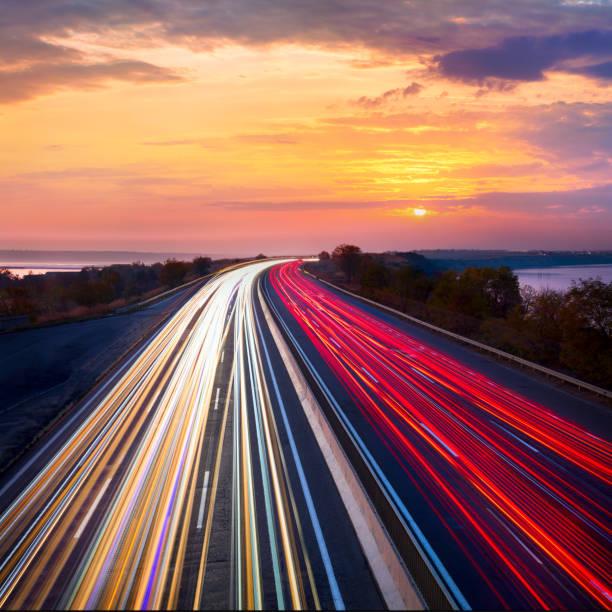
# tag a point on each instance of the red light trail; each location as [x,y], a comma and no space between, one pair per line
[523,493]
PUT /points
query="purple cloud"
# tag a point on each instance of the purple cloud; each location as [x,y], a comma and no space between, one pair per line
[392,94]
[45,78]
[524,58]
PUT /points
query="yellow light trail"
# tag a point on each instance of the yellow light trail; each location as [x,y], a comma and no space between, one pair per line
[117,501]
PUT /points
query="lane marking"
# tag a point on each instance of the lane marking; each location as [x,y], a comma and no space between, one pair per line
[514,536]
[222,356]
[369,374]
[450,450]
[217,398]
[203,500]
[535,450]
[92,509]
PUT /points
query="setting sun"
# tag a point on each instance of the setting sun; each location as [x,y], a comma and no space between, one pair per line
[419,212]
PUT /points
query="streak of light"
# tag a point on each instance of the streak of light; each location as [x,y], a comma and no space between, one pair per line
[472,450]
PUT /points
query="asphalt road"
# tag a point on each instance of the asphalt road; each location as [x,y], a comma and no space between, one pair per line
[45,369]
[188,479]
[502,481]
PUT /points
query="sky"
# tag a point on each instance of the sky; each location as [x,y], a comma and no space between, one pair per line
[290,126]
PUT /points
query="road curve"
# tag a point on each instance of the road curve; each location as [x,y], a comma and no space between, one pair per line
[190,479]
[508,503]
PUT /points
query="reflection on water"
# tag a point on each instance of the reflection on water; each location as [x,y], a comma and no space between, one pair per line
[561,277]
[37,269]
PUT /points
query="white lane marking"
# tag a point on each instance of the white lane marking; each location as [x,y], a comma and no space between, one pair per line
[203,500]
[450,450]
[222,356]
[513,535]
[369,374]
[92,509]
[535,450]
[217,398]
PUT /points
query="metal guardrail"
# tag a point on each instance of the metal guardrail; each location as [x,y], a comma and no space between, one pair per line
[581,384]
[160,296]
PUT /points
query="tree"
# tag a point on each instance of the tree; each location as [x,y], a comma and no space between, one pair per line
[375,276]
[503,289]
[173,272]
[542,326]
[412,284]
[590,302]
[478,292]
[585,321]
[323,255]
[348,257]
[201,265]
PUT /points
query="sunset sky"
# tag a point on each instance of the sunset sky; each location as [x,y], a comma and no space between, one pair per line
[284,126]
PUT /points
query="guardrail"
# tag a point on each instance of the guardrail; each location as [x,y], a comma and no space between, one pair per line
[160,296]
[581,384]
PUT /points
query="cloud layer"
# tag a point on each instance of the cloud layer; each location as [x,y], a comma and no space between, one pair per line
[36,55]
[525,58]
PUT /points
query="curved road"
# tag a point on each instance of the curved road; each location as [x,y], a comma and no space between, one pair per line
[188,480]
[509,504]
[191,478]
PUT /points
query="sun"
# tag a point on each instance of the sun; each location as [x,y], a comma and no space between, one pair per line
[419,212]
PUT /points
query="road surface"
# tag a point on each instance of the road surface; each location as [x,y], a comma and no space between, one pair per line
[508,503]
[189,479]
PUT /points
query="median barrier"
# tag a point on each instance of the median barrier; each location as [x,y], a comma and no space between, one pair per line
[402,554]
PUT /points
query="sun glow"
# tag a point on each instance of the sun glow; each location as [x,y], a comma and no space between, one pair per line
[419,212]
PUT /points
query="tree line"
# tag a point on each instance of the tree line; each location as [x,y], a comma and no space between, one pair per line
[569,331]
[93,289]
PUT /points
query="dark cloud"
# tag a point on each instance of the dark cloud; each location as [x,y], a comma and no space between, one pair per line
[46,78]
[599,71]
[394,27]
[393,94]
[36,32]
[523,58]
[16,49]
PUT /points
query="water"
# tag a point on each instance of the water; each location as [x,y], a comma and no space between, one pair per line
[23,262]
[560,278]
[38,268]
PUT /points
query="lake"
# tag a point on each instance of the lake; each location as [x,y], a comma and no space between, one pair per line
[561,277]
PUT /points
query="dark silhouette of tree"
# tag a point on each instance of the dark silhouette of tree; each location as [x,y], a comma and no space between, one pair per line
[201,265]
[323,255]
[586,330]
[412,284]
[543,326]
[478,292]
[173,272]
[261,256]
[348,257]
[375,276]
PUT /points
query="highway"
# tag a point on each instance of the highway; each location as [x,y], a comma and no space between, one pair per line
[188,479]
[191,478]
[508,503]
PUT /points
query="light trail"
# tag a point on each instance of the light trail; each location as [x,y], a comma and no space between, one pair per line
[109,519]
[492,475]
